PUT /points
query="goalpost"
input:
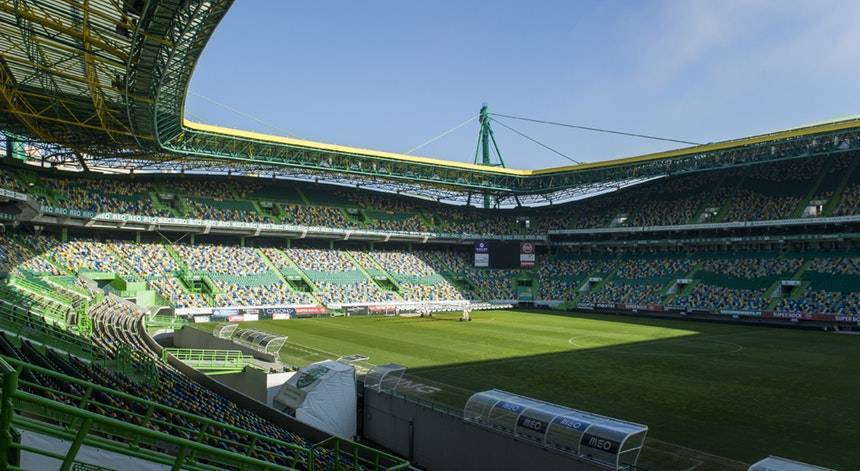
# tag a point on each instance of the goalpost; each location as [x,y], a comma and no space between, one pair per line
[467,312]
[428,308]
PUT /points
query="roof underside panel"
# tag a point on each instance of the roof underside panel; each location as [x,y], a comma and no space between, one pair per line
[107,80]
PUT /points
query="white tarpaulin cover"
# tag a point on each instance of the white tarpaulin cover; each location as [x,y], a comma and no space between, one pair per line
[322,395]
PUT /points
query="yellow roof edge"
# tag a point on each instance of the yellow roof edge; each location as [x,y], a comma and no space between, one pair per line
[795,132]
[347,149]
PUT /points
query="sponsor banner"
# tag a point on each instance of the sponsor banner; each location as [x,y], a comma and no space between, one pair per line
[510,406]
[833,318]
[482,254]
[585,305]
[311,311]
[573,423]
[527,254]
[732,312]
[356,310]
[277,313]
[784,315]
[600,443]
[605,306]
[790,283]
[225,312]
[238,314]
[382,309]
[193,311]
[67,212]
[200,319]
[654,307]
[13,194]
[532,424]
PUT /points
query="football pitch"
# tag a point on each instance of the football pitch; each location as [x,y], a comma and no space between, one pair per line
[734,391]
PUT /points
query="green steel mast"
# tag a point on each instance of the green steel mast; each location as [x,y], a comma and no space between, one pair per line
[485,135]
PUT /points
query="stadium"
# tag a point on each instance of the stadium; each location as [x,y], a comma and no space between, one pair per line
[179,295]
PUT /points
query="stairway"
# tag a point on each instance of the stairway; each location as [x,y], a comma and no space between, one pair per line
[370,278]
[613,270]
[377,266]
[813,190]
[690,276]
[833,202]
[298,269]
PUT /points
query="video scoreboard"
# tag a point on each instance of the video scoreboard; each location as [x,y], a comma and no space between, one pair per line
[504,254]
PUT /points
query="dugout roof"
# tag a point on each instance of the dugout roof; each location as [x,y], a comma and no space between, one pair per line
[103,83]
[611,442]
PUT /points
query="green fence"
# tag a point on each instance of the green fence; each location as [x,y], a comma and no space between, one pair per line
[165,322]
[210,361]
[203,443]
[71,421]
[23,322]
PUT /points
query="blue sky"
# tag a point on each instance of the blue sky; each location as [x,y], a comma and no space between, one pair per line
[390,75]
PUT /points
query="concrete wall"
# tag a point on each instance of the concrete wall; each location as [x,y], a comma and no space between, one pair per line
[274,383]
[258,407]
[439,441]
[189,337]
[250,382]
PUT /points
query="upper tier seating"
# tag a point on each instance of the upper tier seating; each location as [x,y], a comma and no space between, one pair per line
[769,191]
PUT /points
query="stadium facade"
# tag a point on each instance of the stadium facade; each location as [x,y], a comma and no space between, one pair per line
[117,210]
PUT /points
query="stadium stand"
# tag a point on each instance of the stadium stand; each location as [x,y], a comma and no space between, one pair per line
[123,379]
[758,229]
[765,192]
[231,275]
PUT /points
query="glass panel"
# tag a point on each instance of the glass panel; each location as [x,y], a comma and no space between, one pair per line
[566,430]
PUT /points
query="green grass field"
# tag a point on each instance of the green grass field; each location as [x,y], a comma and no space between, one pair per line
[739,392]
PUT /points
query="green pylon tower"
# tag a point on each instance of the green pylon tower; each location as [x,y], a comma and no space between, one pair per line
[485,136]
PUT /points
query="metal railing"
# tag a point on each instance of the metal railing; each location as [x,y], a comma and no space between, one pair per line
[210,361]
[41,291]
[25,406]
[165,322]
[361,456]
[131,426]
[23,322]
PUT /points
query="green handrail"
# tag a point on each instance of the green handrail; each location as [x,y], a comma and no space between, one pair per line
[7,409]
[362,455]
[40,291]
[54,412]
[170,322]
[22,321]
[71,417]
[210,360]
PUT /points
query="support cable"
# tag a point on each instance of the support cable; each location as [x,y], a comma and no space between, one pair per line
[440,136]
[243,114]
[536,141]
[588,128]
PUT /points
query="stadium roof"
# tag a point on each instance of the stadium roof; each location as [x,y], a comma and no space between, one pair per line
[104,82]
